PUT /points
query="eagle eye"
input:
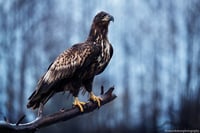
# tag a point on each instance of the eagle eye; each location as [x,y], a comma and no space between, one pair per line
[103,17]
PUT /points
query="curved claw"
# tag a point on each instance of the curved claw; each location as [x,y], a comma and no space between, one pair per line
[95,99]
[79,104]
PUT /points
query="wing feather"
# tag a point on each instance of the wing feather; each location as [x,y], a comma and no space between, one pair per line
[66,64]
[69,61]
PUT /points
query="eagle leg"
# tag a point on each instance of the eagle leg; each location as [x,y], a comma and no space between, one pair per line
[79,104]
[95,98]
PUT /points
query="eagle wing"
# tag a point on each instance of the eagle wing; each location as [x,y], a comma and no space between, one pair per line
[64,67]
[67,63]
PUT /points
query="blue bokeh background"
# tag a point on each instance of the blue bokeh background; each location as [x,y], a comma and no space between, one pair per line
[155,68]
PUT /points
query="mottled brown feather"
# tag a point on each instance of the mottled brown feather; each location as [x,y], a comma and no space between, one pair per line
[64,67]
[76,66]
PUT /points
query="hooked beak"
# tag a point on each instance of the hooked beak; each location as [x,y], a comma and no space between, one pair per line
[111,18]
[108,18]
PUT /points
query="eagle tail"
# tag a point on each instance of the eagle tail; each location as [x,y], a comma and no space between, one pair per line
[37,99]
[41,95]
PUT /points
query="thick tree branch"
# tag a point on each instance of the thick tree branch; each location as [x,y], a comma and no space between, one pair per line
[56,117]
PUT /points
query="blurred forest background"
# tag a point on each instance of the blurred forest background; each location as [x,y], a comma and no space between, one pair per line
[155,68]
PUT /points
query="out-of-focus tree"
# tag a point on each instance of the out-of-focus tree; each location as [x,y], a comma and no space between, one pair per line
[189,98]
[155,67]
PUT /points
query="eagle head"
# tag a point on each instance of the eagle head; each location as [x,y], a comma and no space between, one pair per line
[99,26]
[102,19]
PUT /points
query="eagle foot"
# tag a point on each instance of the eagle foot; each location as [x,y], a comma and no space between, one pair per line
[95,99]
[79,104]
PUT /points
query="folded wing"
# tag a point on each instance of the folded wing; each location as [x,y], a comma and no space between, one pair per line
[64,67]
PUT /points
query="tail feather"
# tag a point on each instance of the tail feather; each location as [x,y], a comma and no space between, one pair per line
[42,94]
[37,99]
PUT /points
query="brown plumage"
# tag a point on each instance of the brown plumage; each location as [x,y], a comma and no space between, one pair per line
[77,66]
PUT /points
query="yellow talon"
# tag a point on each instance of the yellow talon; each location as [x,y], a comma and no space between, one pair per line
[79,104]
[95,99]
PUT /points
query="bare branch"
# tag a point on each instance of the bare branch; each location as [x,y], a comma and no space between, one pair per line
[20,120]
[63,115]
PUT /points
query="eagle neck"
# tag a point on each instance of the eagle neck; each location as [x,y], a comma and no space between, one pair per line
[98,33]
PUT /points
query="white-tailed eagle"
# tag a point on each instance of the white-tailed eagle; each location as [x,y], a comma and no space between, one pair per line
[77,66]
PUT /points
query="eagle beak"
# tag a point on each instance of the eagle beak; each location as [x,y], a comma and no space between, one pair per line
[108,18]
[111,18]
